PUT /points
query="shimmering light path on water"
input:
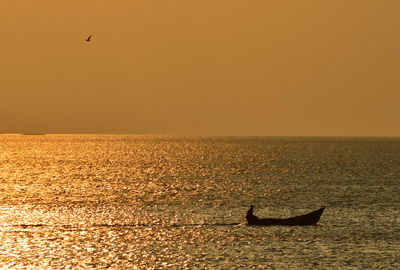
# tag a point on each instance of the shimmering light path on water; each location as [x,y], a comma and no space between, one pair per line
[158,202]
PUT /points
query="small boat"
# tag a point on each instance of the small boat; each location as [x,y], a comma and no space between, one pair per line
[303,220]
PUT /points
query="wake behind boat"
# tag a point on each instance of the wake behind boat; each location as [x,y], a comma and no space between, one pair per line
[303,220]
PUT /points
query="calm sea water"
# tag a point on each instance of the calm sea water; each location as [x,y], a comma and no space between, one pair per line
[162,202]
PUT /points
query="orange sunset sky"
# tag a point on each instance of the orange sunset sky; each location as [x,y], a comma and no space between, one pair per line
[220,67]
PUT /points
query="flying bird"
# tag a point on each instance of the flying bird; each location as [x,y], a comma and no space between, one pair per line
[88,39]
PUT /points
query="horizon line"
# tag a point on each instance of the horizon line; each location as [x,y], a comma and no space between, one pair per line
[204,135]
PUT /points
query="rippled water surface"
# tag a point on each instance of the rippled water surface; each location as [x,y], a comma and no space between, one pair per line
[159,202]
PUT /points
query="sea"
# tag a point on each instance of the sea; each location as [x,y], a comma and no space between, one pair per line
[179,202]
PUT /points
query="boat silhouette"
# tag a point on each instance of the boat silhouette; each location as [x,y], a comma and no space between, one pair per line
[311,218]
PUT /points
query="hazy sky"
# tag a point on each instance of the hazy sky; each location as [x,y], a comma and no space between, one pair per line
[220,67]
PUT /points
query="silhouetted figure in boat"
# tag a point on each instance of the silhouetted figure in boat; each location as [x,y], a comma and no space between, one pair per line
[308,219]
[89,38]
[251,218]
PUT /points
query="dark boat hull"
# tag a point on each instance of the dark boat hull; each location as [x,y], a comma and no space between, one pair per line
[303,220]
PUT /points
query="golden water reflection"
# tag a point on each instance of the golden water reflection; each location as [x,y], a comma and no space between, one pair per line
[154,202]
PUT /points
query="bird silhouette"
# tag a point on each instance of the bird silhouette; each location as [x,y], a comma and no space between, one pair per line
[89,38]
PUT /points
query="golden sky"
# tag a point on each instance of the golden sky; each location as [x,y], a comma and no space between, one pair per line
[220,67]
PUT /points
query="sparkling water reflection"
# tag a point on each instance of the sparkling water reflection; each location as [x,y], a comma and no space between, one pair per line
[157,202]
